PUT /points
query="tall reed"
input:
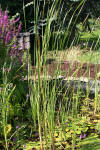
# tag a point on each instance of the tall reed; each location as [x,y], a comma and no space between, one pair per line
[43,92]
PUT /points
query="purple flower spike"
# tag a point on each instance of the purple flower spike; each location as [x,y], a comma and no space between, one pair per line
[8,32]
[8,37]
[14,21]
[83,136]
[5,16]
[17,127]
[19,27]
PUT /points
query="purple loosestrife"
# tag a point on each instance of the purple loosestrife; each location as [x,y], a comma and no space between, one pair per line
[9,31]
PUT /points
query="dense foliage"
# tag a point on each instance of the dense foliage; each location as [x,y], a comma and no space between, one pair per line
[42,106]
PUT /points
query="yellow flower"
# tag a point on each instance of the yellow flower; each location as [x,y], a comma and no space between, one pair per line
[8,128]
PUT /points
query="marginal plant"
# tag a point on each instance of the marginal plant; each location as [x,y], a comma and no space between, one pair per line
[9,31]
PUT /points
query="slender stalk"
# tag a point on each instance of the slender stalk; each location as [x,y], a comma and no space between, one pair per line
[24,14]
